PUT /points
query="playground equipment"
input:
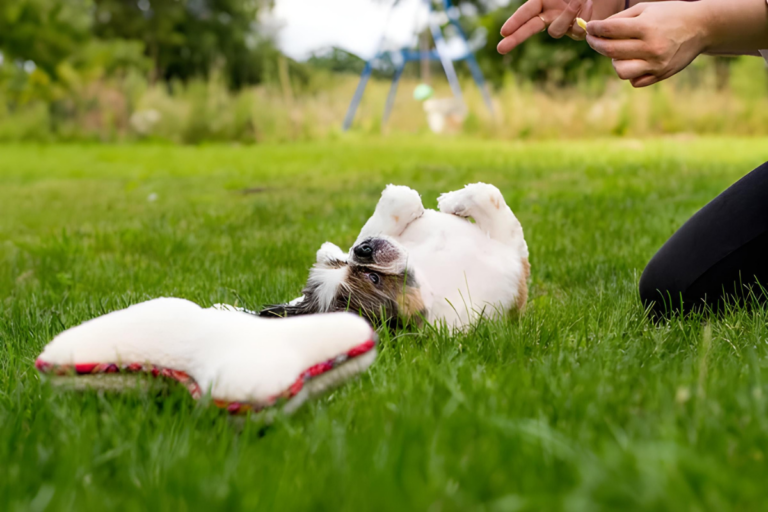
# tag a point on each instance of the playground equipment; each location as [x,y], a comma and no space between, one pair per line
[440,53]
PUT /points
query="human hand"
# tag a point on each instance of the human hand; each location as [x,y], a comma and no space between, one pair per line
[535,16]
[651,41]
[556,16]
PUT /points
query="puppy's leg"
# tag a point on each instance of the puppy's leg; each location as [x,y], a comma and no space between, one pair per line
[397,208]
[485,204]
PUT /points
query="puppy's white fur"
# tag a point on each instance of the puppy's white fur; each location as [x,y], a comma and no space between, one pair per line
[464,270]
[327,282]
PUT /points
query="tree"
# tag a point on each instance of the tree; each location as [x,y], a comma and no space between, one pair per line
[44,32]
[187,38]
[337,60]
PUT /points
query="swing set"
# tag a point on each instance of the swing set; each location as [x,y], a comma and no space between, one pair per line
[424,55]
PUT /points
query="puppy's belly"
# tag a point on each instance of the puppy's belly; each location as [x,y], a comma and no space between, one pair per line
[467,271]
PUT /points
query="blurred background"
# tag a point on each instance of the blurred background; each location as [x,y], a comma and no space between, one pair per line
[253,71]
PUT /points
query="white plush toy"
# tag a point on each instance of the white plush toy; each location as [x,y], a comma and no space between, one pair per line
[243,361]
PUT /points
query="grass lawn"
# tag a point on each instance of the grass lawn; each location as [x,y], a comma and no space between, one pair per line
[581,404]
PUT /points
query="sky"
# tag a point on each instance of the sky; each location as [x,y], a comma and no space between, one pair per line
[306,26]
[354,25]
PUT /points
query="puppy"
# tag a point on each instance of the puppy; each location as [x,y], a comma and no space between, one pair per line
[413,265]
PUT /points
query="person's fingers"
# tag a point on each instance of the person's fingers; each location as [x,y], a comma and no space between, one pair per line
[631,69]
[576,32]
[616,28]
[523,15]
[624,49]
[531,28]
[563,23]
[644,81]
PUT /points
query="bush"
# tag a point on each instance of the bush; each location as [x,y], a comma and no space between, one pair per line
[125,107]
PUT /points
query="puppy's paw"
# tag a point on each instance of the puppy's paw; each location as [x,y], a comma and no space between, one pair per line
[465,202]
[402,204]
[454,203]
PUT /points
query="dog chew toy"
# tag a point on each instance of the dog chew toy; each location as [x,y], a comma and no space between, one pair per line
[583,24]
[245,363]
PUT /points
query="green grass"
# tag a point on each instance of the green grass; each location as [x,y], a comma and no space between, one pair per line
[582,404]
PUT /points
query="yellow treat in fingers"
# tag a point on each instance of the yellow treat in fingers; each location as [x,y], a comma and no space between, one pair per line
[583,24]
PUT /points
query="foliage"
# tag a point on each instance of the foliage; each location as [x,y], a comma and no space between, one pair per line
[43,32]
[101,79]
[125,107]
[187,38]
[337,60]
[581,404]
[183,39]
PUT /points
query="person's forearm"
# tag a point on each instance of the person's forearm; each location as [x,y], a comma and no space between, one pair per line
[633,3]
[734,26]
[603,9]
[730,27]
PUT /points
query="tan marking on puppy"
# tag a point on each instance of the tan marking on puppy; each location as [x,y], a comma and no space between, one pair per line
[495,201]
[411,304]
[391,297]
[522,286]
[397,219]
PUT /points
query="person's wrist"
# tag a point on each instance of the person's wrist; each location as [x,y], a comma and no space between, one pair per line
[603,9]
[621,5]
[704,19]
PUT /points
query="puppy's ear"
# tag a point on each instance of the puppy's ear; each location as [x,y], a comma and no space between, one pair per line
[300,306]
[330,256]
[281,311]
[326,276]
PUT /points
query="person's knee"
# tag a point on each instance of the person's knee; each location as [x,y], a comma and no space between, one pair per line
[648,289]
[658,291]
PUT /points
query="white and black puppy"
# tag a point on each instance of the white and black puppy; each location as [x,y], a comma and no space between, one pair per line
[412,264]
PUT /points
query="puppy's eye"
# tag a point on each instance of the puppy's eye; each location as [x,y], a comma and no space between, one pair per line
[374,278]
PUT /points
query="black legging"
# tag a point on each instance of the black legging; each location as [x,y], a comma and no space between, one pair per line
[719,256]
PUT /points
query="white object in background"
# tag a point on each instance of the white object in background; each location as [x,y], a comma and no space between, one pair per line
[143,121]
[445,115]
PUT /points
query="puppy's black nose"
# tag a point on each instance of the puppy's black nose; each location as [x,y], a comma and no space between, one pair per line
[364,251]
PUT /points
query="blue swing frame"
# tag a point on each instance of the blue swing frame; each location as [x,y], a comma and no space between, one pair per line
[407,55]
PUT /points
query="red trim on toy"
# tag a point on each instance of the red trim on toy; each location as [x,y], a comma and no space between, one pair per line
[193,387]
